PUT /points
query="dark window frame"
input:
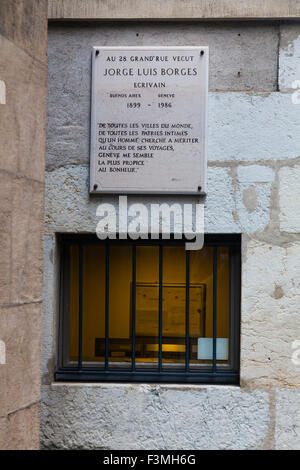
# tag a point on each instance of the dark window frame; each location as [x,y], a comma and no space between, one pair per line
[215,375]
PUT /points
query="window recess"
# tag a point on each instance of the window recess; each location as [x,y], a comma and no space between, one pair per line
[149,311]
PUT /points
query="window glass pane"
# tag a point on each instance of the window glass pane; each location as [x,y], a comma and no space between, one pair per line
[201,274]
[223,306]
[120,287]
[93,311]
[73,300]
[93,317]
[201,288]
[147,307]
[93,305]
[173,319]
[147,278]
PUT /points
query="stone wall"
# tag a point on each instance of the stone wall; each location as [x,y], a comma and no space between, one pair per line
[173,9]
[23,85]
[253,174]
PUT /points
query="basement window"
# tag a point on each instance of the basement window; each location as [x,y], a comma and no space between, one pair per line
[149,311]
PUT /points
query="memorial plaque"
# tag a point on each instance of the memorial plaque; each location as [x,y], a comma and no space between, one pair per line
[149,118]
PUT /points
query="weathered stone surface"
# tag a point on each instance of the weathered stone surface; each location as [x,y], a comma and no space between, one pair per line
[252,127]
[289,197]
[20,430]
[51,276]
[172,9]
[270,322]
[287,431]
[23,79]
[28,29]
[289,56]
[248,66]
[26,241]
[22,118]
[241,127]
[254,197]
[69,207]
[250,174]
[227,205]
[153,417]
[220,202]
[250,135]
[21,217]
[6,191]
[70,77]
[20,329]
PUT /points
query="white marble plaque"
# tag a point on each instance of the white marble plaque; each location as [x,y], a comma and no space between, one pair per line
[149,118]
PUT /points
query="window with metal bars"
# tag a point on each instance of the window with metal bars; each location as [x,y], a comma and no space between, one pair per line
[149,311]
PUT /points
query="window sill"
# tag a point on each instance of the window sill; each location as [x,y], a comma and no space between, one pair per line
[129,377]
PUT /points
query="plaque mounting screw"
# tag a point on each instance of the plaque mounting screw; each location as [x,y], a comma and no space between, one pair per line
[97,52]
[95,187]
[202,52]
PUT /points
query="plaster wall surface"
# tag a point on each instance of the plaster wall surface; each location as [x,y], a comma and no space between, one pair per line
[253,174]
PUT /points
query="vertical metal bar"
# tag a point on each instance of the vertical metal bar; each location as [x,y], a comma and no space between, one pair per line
[133,306]
[106,305]
[160,308]
[215,310]
[80,307]
[187,310]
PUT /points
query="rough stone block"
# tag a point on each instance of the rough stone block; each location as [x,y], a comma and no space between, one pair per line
[6,192]
[69,207]
[289,198]
[241,127]
[289,56]
[26,239]
[287,430]
[270,312]
[173,10]
[244,127]
[29,26]
[153,417]
[22,118]
[51,277]
[20,430]
[220,202]
[20,329]
[253,198]
[255,174]
[229,207]
[243,65]
[247,67]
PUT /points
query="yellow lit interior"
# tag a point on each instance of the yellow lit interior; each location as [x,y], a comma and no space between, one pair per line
[147,295]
